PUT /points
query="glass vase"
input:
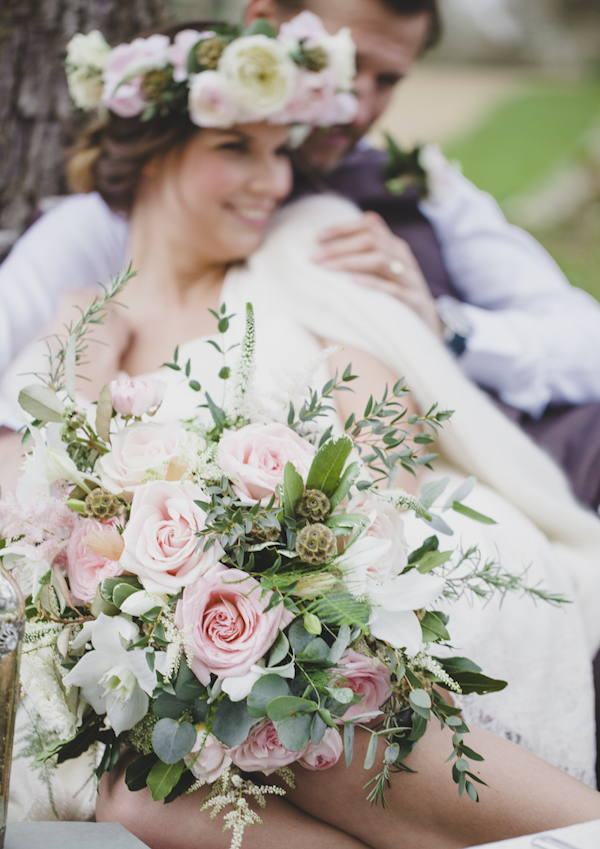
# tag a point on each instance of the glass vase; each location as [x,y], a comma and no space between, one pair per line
[12,629]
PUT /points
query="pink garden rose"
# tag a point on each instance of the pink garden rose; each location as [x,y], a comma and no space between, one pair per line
[368,678]
[314,96]
[385,524]
[132,60]
[326,754]
[262,752]
[254,457]
[222,616]
[135,396]
[209,101]
[161,546]
[140,452]
[208,758]
[85,569]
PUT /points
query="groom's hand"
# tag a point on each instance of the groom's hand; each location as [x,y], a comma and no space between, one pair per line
[376,258]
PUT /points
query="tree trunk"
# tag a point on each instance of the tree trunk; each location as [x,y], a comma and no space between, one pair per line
[37,119]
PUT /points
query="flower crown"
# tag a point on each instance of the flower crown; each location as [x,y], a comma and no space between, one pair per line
[223,76]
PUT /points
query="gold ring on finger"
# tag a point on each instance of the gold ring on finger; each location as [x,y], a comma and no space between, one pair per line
[397,269]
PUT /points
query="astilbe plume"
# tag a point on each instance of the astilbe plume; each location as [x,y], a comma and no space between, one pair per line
[46,522]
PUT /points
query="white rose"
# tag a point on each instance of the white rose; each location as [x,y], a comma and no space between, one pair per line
[140,453]
[342,54]
[209,101]
[86,57]
[259,75]
[385,524]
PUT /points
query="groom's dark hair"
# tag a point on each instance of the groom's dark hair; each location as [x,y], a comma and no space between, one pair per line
[397,7]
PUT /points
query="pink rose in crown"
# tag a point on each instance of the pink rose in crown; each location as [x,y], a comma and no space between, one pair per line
[137,395]
[326,753]
[262,751]
[124,72]
[314,96]
[222,615]
[306,27]
[209,101]
[208,758]
[368,678]
[254,457]
[161,543]
[86,568]
[386,524]
[140,452]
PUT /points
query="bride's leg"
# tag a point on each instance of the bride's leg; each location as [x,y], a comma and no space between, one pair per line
[525,795]
[182,825]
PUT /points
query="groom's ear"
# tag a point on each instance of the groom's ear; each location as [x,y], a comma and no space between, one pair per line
[268,9]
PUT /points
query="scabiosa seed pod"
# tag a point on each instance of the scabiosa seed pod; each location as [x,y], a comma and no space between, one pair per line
[315,544]
[313,505]
[208,52]
[316,58]
[156,82]
[101,504]
[261,534]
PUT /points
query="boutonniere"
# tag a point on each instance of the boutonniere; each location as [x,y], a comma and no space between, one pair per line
[404,169]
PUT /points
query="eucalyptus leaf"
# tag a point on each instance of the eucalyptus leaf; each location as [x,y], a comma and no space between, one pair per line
[328,463]
[294,732]
[420,698]
[317,651]
[371,751]
[285,706]
[266,689]
[169,706]
[348,742]
[438,524]
[232,722]
[343,695]
[317,730]
[298,636]
[341,644]
[279,649]
[172,740]
[461,492]
[42,403]
[187,687]
[348,521]
[121,592]
[104,411]
[430,492]
[163,778]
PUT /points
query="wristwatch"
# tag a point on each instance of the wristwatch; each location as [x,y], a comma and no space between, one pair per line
[457,327]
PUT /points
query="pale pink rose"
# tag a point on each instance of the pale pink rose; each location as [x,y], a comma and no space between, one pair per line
[132,60]
[314,97]
[306,27]
[179,51]
[367,677]
[208,758]
[222,615]
[386,524]
[342,109]
[161,543]
[140,452]
[137,395]
[85,569]
[326,754]
[262,752]
[209,102]
[254,457]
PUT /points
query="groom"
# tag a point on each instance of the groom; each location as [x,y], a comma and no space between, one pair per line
[516,326]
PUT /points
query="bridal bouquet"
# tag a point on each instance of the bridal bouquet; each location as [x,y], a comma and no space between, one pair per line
[228,596]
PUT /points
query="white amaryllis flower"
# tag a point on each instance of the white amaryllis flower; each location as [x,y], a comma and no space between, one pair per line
[48,463]
[113,680]
[85,61]
[395,600]
[27,567]
[259,74]
[141,602]
[238,687]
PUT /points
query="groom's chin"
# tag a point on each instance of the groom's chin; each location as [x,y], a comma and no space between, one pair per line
[326,147]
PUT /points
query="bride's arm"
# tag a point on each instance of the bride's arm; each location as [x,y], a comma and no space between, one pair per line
[373,378]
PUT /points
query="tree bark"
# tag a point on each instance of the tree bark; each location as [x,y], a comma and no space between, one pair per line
[37,118]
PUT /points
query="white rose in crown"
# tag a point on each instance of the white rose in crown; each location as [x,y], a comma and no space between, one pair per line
[86,57]
[259,75]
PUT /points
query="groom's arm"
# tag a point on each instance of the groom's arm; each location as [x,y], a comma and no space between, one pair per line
[78,244]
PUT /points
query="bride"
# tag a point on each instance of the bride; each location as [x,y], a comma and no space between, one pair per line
[202,198]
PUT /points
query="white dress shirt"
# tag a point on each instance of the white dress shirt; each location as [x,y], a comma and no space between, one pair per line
[535,339]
